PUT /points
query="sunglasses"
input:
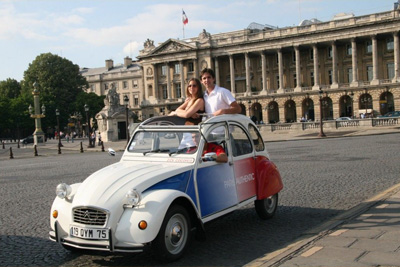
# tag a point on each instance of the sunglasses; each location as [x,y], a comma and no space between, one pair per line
[192,85]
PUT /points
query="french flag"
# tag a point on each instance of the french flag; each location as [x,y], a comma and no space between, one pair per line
[185,19]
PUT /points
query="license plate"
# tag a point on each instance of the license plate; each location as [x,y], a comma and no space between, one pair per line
[89,233]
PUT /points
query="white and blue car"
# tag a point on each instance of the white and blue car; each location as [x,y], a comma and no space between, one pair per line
[164,189]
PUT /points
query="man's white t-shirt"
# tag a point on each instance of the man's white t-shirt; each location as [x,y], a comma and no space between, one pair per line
[220,98]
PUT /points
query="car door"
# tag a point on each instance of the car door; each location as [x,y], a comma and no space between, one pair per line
[215,181]
[244,162]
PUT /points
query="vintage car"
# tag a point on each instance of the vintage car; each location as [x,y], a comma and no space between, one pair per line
[164,189]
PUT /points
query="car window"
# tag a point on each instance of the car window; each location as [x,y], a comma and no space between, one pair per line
[241,144]
[256,137]
[161,142]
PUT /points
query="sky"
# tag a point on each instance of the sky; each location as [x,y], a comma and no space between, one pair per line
[88,32]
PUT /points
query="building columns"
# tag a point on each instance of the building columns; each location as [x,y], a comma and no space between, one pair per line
[396,53]
[264,74]
[375,80]
[354,63]
[168,81]
[298,69]
[183,91]
[155,87]
[316,67]
[247,67]
[232,74]
[334,67]
[280,69]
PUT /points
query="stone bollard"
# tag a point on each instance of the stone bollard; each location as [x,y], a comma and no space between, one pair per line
[59,148]
[11,153]
[3,144]
[35,149]
[18,144]
[81,148]
[102,146]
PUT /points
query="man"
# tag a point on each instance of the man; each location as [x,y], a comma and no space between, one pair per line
[210,147]
[218,100]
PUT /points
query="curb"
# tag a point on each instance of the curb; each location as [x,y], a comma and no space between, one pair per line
[280,256]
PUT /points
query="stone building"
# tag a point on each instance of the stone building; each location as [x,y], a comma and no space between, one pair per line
[344,67]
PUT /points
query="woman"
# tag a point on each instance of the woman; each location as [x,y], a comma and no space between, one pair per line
[193,104]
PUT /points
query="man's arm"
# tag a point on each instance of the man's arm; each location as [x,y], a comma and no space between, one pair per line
[222,158]
[234,108]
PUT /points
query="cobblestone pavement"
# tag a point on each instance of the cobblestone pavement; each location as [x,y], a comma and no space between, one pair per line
[322,178]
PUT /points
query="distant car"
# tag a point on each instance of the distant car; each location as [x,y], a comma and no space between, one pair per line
[27,140]
[390,114]
[164,186]
[344,119]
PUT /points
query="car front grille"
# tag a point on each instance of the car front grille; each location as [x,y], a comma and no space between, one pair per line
[89,216]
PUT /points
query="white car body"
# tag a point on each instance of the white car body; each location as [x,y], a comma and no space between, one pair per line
[172,190]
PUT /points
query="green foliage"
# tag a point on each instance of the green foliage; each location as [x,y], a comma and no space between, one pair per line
[60,86]
[10,88]
[58,81]
[95,103]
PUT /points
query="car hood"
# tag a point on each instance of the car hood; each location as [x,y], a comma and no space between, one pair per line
[108,186]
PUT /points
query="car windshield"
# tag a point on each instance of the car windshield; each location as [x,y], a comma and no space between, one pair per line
[167,142]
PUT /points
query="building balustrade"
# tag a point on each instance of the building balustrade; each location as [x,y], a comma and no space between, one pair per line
[331,125]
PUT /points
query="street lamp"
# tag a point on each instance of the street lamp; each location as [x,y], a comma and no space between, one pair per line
[321,127]
[38,135]
[126,101]
[352,104]
[58,128]
[88,124]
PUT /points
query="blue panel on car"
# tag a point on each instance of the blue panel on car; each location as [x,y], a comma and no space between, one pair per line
[178,182]
[217,188]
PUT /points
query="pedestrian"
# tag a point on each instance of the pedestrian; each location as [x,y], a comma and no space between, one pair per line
[193,104]
[218,100]
[67,137]
[99,137]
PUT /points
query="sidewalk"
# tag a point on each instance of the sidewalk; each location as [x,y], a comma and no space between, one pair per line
[367,235]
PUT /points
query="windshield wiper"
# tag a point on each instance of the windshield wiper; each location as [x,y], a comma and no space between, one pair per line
[156,151]
[181,150]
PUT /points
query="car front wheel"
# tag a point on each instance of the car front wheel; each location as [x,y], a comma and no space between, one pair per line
[174,235]
[266,207]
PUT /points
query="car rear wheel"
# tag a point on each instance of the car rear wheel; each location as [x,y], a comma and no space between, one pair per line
[174,235]
[266,207]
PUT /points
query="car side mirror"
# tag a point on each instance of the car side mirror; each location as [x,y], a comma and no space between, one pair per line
[111,152]
[212,156]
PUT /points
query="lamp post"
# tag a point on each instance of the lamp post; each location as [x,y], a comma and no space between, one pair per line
[321,127]
[86,106]
[249,102]
[126,101]
[58,128]
[352,104]
[38,135]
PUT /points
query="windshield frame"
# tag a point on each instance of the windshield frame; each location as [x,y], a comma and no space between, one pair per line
[168,146]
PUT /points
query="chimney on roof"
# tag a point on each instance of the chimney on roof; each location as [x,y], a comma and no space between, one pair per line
[109,64]
[127,61]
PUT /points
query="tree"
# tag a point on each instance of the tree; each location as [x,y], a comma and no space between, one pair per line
[59,83]
[10,88]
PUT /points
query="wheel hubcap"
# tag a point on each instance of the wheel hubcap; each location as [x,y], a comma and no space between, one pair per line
[176,234]
[270,204]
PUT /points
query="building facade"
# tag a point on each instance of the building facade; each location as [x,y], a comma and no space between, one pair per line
[340,68]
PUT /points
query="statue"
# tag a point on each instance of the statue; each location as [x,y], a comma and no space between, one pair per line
[112,97]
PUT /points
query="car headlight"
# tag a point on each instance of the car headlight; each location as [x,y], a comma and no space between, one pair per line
[133,197]
[63,190]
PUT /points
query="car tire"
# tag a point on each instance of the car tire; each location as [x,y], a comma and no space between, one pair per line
[174,235]
[266,207]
